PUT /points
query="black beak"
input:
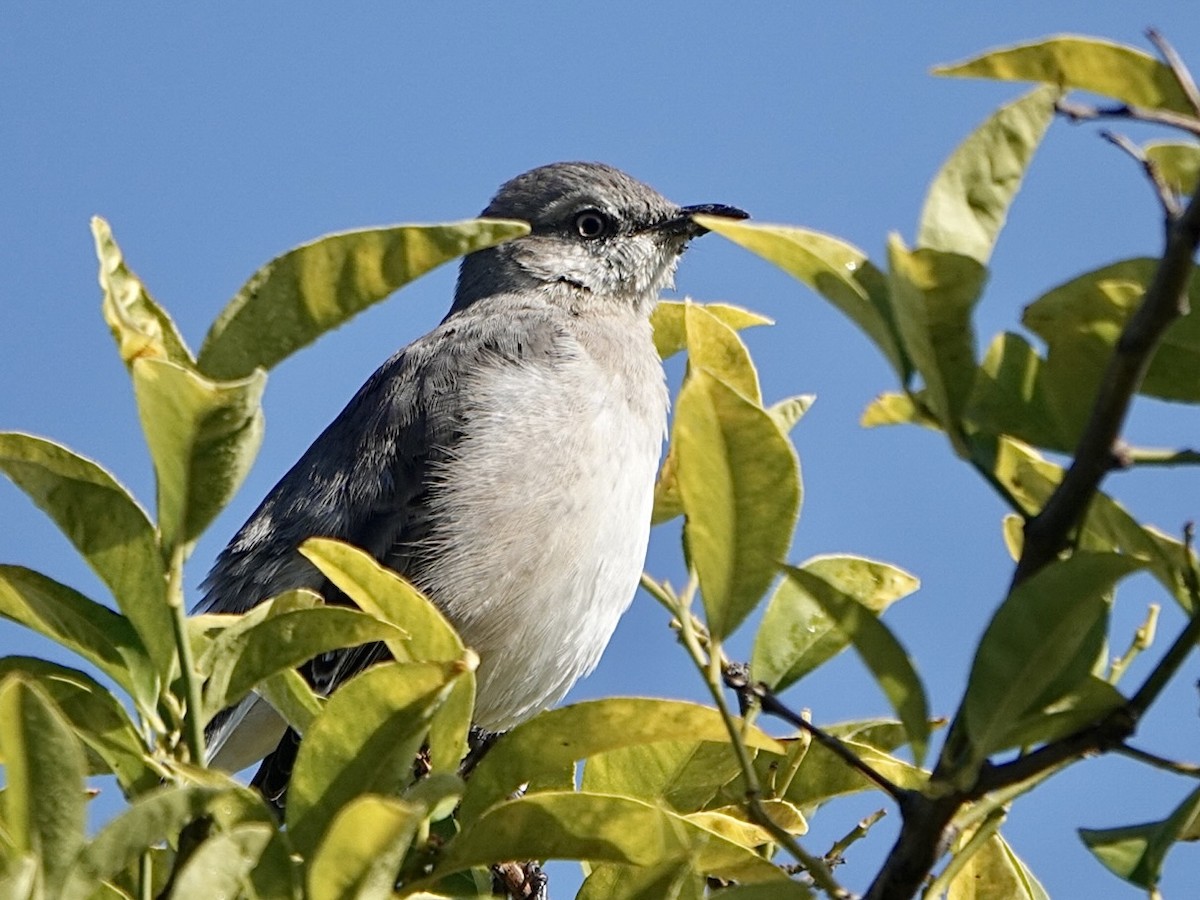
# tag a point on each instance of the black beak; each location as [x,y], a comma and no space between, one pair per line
[687,225]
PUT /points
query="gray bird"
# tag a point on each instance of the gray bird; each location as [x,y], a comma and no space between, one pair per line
[504,462]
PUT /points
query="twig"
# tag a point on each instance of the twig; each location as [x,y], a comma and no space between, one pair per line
[193,722]
[837,853]
[1166,197]
[1143,637]
[1178,68]
[1145,457]
[1191,770]
[736,680]
[1081,112]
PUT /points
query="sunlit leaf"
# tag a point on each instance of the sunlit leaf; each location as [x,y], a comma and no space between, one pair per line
[670,334]
[735,823]
[297,297]
[141,328]
[1136,852]
[739,480]
[716,348]
[839,271]
[674,880]
[822,775]
[880,651]
[557,738]
[682,774]
[994,872]
[1039,646]
[364,741]
[796,634]
[203,437]
[362,850]
[106,526]
[790,410]
[1178,164]
[968,201]
[44,767]
[1071,62]
[897,409]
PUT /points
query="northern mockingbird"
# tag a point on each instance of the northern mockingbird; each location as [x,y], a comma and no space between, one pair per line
[504,462]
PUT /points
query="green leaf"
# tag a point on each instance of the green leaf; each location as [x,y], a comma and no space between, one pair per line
[674,880]
[796,635]
[1178,164]
[600,827]
[822,775]
[156,817]
[105,524]
[430,636]
[716,348]
[203,436]
[881,652]
[739,480]
[934,295]
[735,824]
[1086,64]
[292,698]
[670,333]
[994,872]
[141,327]
[968,201]
[282,642]
[96,717]
[95,632]
[44,766]
[314,288]
[838,271]
[790,890]
[898,409]
[362,850]
[1089,702]
[1136,852]
[223,865]
[557,738]
[683,775]
[364,741]
[1040,645]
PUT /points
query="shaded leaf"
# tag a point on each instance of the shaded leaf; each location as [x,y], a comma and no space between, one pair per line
[1136,852]
[796,634]
[43,800]
[994,872]
[1040,645]
[881,652]
[1071,62]
[222,865]
[362,850]
[670,334]
[557,738]
[739,480]
[790,890]
[141,328]
[675,880]
[203,436]
[839,271]
[1089,702]
[968,201]
[292,698]
[313,288]
[105,524]
[822,776]
[364,741]
[1178,164]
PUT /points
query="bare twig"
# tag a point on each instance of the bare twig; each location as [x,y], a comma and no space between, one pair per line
[1143,637]
[837,853]
[1141,456]
[1166,197]
[1191,770]
[1081,112]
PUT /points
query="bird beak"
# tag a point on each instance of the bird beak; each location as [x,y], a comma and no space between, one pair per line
[685,225]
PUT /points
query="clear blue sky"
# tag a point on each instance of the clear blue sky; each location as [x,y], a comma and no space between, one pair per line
[213,140]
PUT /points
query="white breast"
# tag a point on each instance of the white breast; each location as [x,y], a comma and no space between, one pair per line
[543,519]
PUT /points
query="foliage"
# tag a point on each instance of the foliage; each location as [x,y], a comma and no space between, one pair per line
[659,798]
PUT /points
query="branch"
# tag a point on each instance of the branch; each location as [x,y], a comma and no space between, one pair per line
[1178,68]
[1081,112]
[837,853]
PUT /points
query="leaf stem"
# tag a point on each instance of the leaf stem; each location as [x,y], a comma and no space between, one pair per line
[192,724]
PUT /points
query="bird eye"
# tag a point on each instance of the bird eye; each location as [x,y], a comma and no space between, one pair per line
[591,224]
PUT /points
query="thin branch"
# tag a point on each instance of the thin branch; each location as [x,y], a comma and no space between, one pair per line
[193,711]
[1166,197]
[1143,457]
[1082,112]
[1178,68]
[1143,637]
[1191,770]
[736,680]
[837,853]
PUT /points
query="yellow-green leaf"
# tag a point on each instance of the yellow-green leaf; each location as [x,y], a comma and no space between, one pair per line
[297,297]
[1178,164]
[716,348]
[739,480]
[223,865]
[1080,63]
[361,852]
[670,334]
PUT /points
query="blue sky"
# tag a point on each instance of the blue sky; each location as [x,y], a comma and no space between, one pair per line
[213,139]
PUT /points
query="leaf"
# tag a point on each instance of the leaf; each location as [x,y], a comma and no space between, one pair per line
[683,775]
[796,635]
[105,524]
[1178,164]
[1136,853]
[1089,702]
[1039,645]
[674,880]
[716,348]
[364,741]
[313,288]
[670,334]
[934,295]
[292,698]
[790,890]
[739,480]
[789,411]
[822,775]
[968,201]
[282,642]
[203,437]
[994,872]
[43,800]
[600,827]
[430,636]
[362,850]
[223,864]
[838,271]
[735,824]
[883,655]
[97,719]
[897,409]
[1086,64]
[95,632]
[141,327]
[557,738]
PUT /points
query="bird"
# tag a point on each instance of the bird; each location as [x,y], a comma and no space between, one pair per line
[504,463]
